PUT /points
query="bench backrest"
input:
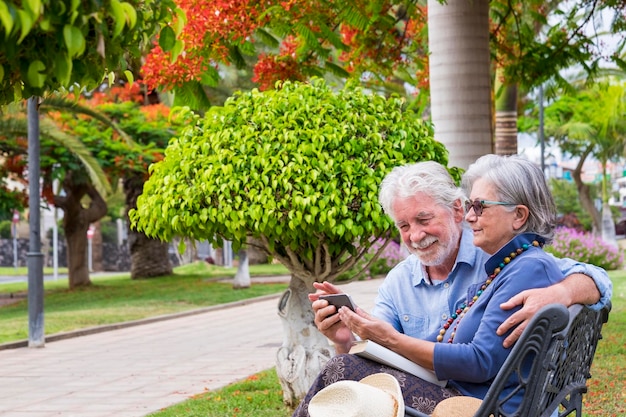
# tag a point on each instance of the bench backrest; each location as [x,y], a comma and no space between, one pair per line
[559,344]
[567,384]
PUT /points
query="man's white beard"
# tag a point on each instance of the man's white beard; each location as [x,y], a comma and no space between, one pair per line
[441,251]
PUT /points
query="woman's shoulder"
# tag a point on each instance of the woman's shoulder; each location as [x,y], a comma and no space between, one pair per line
[536,264]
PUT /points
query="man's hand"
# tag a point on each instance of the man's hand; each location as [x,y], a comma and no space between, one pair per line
[532,301]
[575,289]
[326,319]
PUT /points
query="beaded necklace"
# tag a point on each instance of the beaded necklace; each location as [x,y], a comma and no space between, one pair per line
[463,308]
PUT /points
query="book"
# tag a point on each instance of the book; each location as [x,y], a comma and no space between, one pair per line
[378,353]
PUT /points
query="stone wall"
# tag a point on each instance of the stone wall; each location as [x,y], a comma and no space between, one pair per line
[7,252]
[114,257]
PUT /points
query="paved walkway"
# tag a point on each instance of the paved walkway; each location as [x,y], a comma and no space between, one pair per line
[134,371]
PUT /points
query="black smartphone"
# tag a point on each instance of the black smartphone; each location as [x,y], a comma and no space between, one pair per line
[339,300]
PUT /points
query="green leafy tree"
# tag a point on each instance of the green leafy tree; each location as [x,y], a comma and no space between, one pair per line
[84,177]
[85,149]
[124,154]
[49,45]
[81,175]
[387,46]
[150,128]
[590,122]
[298,170]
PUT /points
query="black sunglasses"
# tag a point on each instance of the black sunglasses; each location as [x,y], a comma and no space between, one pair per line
[479,205]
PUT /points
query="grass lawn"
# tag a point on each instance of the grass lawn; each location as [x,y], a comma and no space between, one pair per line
[23,271]
[115,299]
[607,386]
[261,395]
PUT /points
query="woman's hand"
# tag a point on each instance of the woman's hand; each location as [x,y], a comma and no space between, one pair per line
[367,327]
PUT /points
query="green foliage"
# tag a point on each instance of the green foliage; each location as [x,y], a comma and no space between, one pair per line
[298,167]
[53,44]
[9,200]
[5,229]
[567,202]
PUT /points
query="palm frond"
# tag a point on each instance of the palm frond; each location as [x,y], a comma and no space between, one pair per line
[576,130]
[336,70]
[307,34]
[63,104]
[354,17]
[18,126]
[332,37]
[73,144]
[267,38]
[235,56]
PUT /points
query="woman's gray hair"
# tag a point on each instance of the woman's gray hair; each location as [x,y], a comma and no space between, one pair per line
[426,177]
[517,180]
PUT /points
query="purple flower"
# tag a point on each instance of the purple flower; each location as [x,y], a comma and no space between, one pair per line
[584,247]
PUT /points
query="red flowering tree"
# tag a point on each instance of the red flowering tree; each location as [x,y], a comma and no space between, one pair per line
[290,40]
[124,155]
[110,137]
[381,42]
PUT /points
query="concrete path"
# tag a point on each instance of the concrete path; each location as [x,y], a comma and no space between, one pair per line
[134,371]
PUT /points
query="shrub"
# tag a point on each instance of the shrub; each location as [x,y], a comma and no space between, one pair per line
[584,247]
[5,229]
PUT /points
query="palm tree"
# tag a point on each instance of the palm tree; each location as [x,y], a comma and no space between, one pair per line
[460,83]
[89,181]
[592,122]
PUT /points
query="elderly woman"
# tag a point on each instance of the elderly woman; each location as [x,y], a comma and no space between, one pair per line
[511,215]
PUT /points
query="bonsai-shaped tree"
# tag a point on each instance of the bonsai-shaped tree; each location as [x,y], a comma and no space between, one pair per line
[297,169]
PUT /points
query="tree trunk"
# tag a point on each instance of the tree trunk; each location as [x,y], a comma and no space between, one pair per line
[242,277]
[97,263]
[189,255]
[506,117]
[149,257]
[460,82]
[305,350]
[584,195]
[77,262]
[76,221]
[608,226]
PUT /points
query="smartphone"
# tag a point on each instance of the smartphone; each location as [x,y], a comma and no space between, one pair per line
[339,300]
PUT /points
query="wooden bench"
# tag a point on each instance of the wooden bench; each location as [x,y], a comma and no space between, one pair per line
[560,344]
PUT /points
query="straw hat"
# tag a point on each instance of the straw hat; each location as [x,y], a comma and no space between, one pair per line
[377,395]
[462,406]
